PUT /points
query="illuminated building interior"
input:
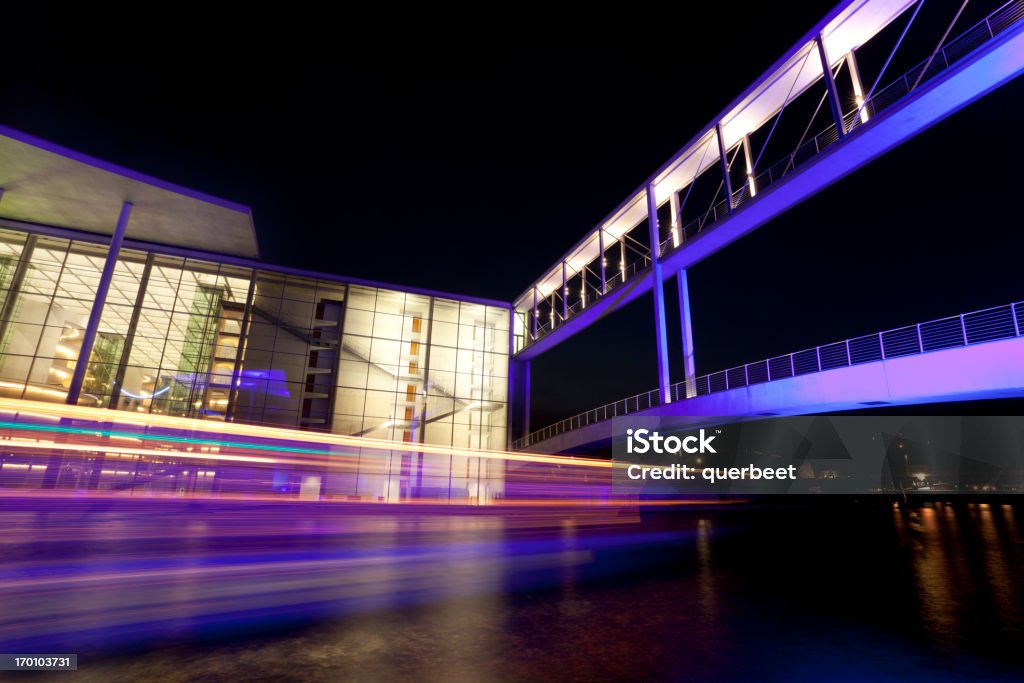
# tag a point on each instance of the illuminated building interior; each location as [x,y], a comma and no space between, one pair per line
[218,336]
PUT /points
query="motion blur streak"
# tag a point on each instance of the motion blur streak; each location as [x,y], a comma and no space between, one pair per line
[121,529]
[46,447]
[28,410]
[112,572]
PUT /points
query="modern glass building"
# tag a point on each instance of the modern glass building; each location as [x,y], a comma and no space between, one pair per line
[140,314]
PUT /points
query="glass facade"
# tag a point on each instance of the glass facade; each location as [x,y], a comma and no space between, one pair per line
[201,339]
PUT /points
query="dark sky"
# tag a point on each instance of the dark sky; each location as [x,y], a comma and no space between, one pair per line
[400,146]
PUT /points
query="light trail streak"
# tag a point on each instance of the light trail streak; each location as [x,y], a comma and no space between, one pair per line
[21,407]
[90,448]
[159,437]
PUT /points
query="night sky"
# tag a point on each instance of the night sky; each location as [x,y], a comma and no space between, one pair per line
[406,150]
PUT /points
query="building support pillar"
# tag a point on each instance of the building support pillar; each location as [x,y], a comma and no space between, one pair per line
[830,87]
[92,327]
[723,159]
[129,340]
[526,396]
[686,320]
[511,386]
[519,401]
[658,287]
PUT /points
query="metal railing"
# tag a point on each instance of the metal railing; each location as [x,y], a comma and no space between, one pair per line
[967,329]
[619,277]
[956,49]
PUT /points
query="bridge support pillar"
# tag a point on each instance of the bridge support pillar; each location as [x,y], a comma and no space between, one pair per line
[658,287]
[689,366]
[830,87]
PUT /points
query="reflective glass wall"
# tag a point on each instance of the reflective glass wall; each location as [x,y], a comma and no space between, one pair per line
[430,370]
[181,335]
[288,373]
[168,347]
[201,339]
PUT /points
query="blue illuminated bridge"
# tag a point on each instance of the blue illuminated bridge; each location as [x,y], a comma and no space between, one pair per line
[861,91]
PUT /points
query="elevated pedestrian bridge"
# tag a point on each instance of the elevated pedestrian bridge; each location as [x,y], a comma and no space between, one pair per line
[613,264]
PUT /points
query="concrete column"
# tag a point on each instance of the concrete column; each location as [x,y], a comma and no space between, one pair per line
[511,385]
[526,397]
[724,161]
[519,400]
[604,263]
[830,86]
[658,287]
[129,341]
[92,327]
[685,319]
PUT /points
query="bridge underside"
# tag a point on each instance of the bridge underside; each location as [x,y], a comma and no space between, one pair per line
[983,371]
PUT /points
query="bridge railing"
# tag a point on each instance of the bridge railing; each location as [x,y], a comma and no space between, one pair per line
[967,329]
[618,278]
[987,29]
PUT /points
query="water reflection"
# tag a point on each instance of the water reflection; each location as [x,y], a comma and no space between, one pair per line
[962,558]
[819,591]
[938,573]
